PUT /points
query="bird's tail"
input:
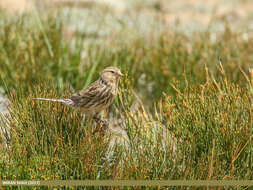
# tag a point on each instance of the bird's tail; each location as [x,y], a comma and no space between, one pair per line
[66,101]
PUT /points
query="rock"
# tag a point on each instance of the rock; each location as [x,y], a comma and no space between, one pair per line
[17,6]
[118,136]
[4,120]
[117,4]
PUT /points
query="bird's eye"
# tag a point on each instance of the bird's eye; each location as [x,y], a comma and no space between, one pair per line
[112,71]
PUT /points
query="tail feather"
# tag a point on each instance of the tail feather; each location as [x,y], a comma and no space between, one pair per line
[65,101]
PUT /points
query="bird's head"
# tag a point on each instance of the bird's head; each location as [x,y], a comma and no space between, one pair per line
[111,75]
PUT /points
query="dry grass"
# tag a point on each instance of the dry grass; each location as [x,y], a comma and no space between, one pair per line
[193,118]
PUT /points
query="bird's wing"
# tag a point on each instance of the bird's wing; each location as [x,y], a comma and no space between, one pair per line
[87,97]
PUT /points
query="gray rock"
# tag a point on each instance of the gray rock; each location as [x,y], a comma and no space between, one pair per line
[4,120]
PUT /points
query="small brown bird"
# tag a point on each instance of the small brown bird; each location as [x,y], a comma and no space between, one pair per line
[96,97]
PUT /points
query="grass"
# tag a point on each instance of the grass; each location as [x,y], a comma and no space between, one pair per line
[193,118]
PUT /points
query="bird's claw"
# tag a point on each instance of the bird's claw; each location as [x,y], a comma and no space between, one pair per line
[103,122]
[100,121]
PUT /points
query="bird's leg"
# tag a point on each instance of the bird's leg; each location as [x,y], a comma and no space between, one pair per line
[100,122]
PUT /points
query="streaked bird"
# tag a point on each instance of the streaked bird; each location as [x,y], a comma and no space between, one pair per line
[96,97]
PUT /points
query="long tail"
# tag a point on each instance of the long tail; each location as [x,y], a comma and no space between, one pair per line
[66,101]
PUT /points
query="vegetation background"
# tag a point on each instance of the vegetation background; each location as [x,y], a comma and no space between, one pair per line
[184,110]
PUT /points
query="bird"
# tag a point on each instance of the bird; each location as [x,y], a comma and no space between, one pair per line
[96,97]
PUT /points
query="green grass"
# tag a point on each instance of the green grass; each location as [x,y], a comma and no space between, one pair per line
[194,119]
